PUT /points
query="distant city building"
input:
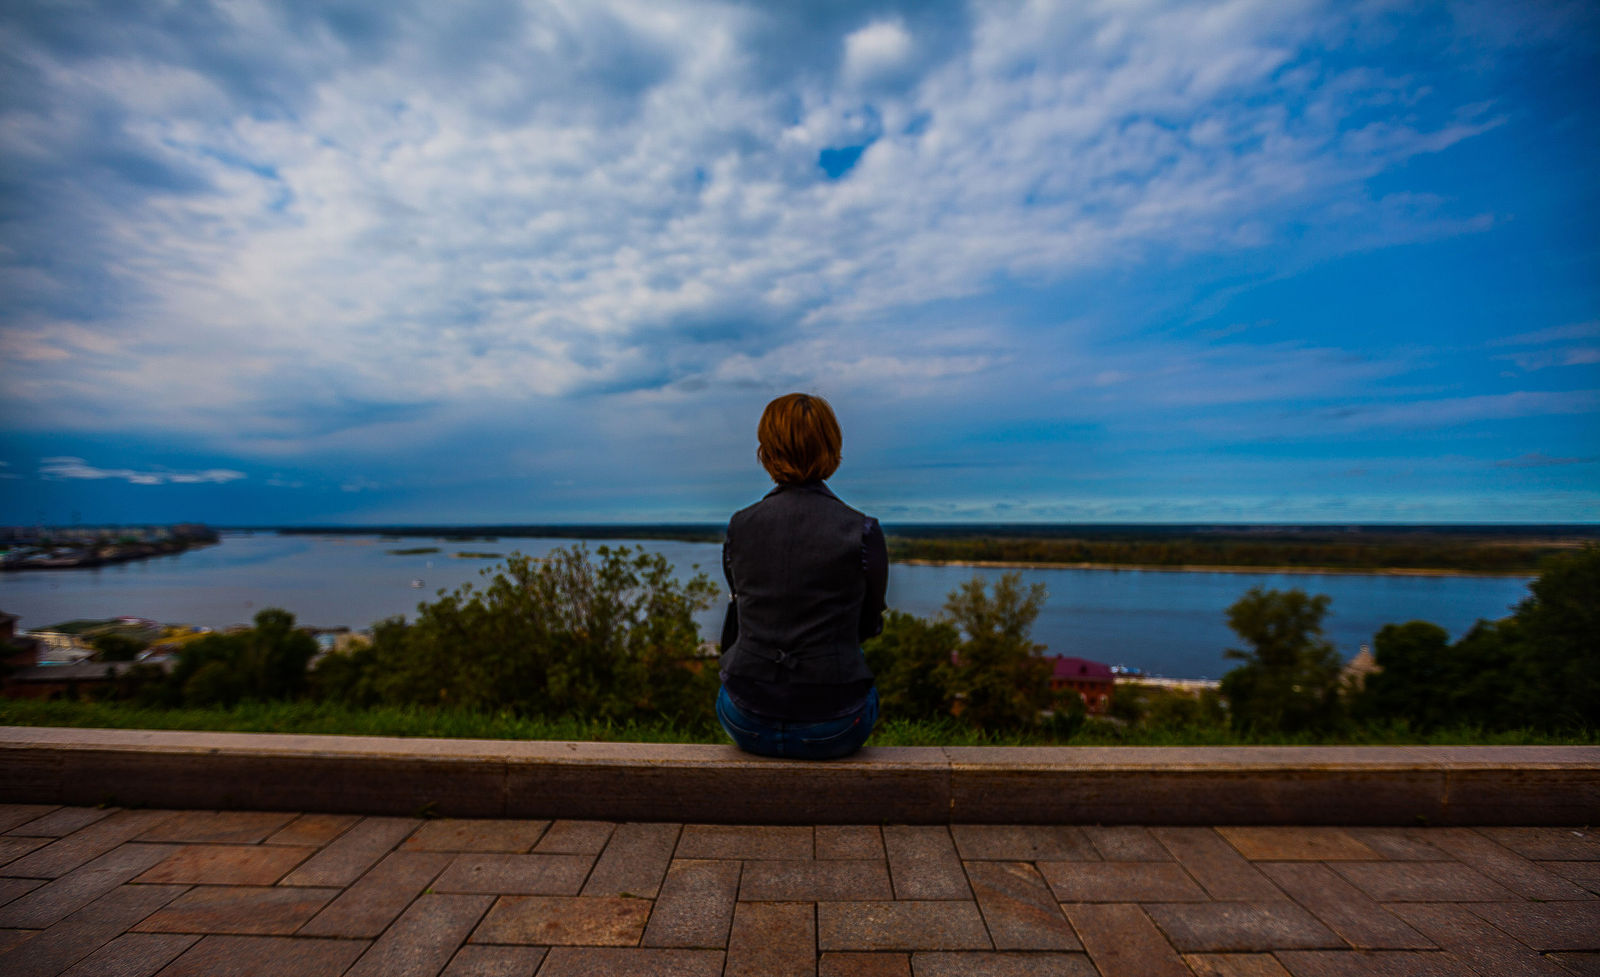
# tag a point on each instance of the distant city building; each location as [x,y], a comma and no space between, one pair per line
[1091,680]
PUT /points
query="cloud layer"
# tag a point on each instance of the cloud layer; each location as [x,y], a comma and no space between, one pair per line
[288,233]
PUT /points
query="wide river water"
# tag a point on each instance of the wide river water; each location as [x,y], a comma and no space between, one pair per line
[1167,623]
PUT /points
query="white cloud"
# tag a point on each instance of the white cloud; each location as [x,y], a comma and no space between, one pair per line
[876,51]
[76,468]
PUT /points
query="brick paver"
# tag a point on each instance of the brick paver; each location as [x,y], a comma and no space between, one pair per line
[227,864]
[1013,842]
[452,834]
[62,856]
[367,908]
[1371,963]
[1399,844]
[349,856]
[1126,843]
[133,955]
[424,939]
[11,889]
[81,886]
[1344,908]
[1424,882]
[1506,867]
[1018,907]
[61,821]
[634,862]
[516,875]
[1586,874]
[1261,843]
[14,848]
[1234,965]
[1123,942]
[241,910]
[222,827]
[970,964]
[737,841]
[1547,925]
[1200,926]
[564,921]
[12,815]
[1548,844]
[1469,937]
[695,907]
[923,863]
[900,926]
[850,963]
[118,893]
[63,944]
[772,939]
[474,960]
[1215,864]
[265,956]
[575,838]
[313,829]
[815,881]
[1121,882]
[849,841]
[10,938]
[587,961]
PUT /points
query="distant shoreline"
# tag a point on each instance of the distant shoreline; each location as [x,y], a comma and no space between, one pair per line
[1187,568]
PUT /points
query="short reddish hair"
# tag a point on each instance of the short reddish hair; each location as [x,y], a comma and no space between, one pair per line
[799,439]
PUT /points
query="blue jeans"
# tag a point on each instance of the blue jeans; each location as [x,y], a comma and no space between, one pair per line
[798,741]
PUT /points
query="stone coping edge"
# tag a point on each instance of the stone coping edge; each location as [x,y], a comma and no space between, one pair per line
[1405,785]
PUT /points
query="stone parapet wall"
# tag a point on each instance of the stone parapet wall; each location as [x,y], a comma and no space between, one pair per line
[1482,785]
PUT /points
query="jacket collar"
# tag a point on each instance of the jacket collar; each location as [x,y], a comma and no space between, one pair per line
[817,485]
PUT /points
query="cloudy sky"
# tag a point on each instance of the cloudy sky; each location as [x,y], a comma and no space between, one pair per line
[494,261]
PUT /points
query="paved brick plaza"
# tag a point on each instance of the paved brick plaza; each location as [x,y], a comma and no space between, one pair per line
[134,892]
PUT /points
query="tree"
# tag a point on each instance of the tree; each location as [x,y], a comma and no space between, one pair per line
[999,673]
[265,662]
[1560,626]
[1538,668]
[1290,679]
[116,647]
[1414,671]
[912,661]
[612,638]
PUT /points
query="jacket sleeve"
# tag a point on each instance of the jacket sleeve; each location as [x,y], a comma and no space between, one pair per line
[875,565]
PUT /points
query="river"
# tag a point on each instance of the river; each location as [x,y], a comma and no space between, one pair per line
[1166,623]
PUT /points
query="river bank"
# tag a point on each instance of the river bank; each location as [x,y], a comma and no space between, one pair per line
[1205,568]
[1168,623]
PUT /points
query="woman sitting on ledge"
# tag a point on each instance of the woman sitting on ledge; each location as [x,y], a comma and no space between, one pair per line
[807,574]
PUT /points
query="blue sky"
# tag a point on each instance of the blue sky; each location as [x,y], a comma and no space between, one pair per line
[1262,260]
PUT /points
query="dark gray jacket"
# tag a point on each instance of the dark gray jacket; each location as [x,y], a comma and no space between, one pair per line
[807,573]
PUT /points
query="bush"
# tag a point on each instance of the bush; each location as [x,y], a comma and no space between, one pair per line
[1537,669]
[912,661]
[562,636]
[1290,680]
[265,662]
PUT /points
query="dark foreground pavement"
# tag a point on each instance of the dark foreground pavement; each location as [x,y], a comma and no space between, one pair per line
[139,892]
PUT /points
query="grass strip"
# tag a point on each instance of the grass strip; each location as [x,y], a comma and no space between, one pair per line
[325,718]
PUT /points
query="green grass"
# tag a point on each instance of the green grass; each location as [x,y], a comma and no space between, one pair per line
[312,717]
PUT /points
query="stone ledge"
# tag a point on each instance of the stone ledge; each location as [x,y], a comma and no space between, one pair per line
[1481,785]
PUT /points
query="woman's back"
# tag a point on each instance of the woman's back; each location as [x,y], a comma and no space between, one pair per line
[795,560]
[807,574]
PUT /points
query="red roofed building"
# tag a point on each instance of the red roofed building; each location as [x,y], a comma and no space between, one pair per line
[1092,680]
